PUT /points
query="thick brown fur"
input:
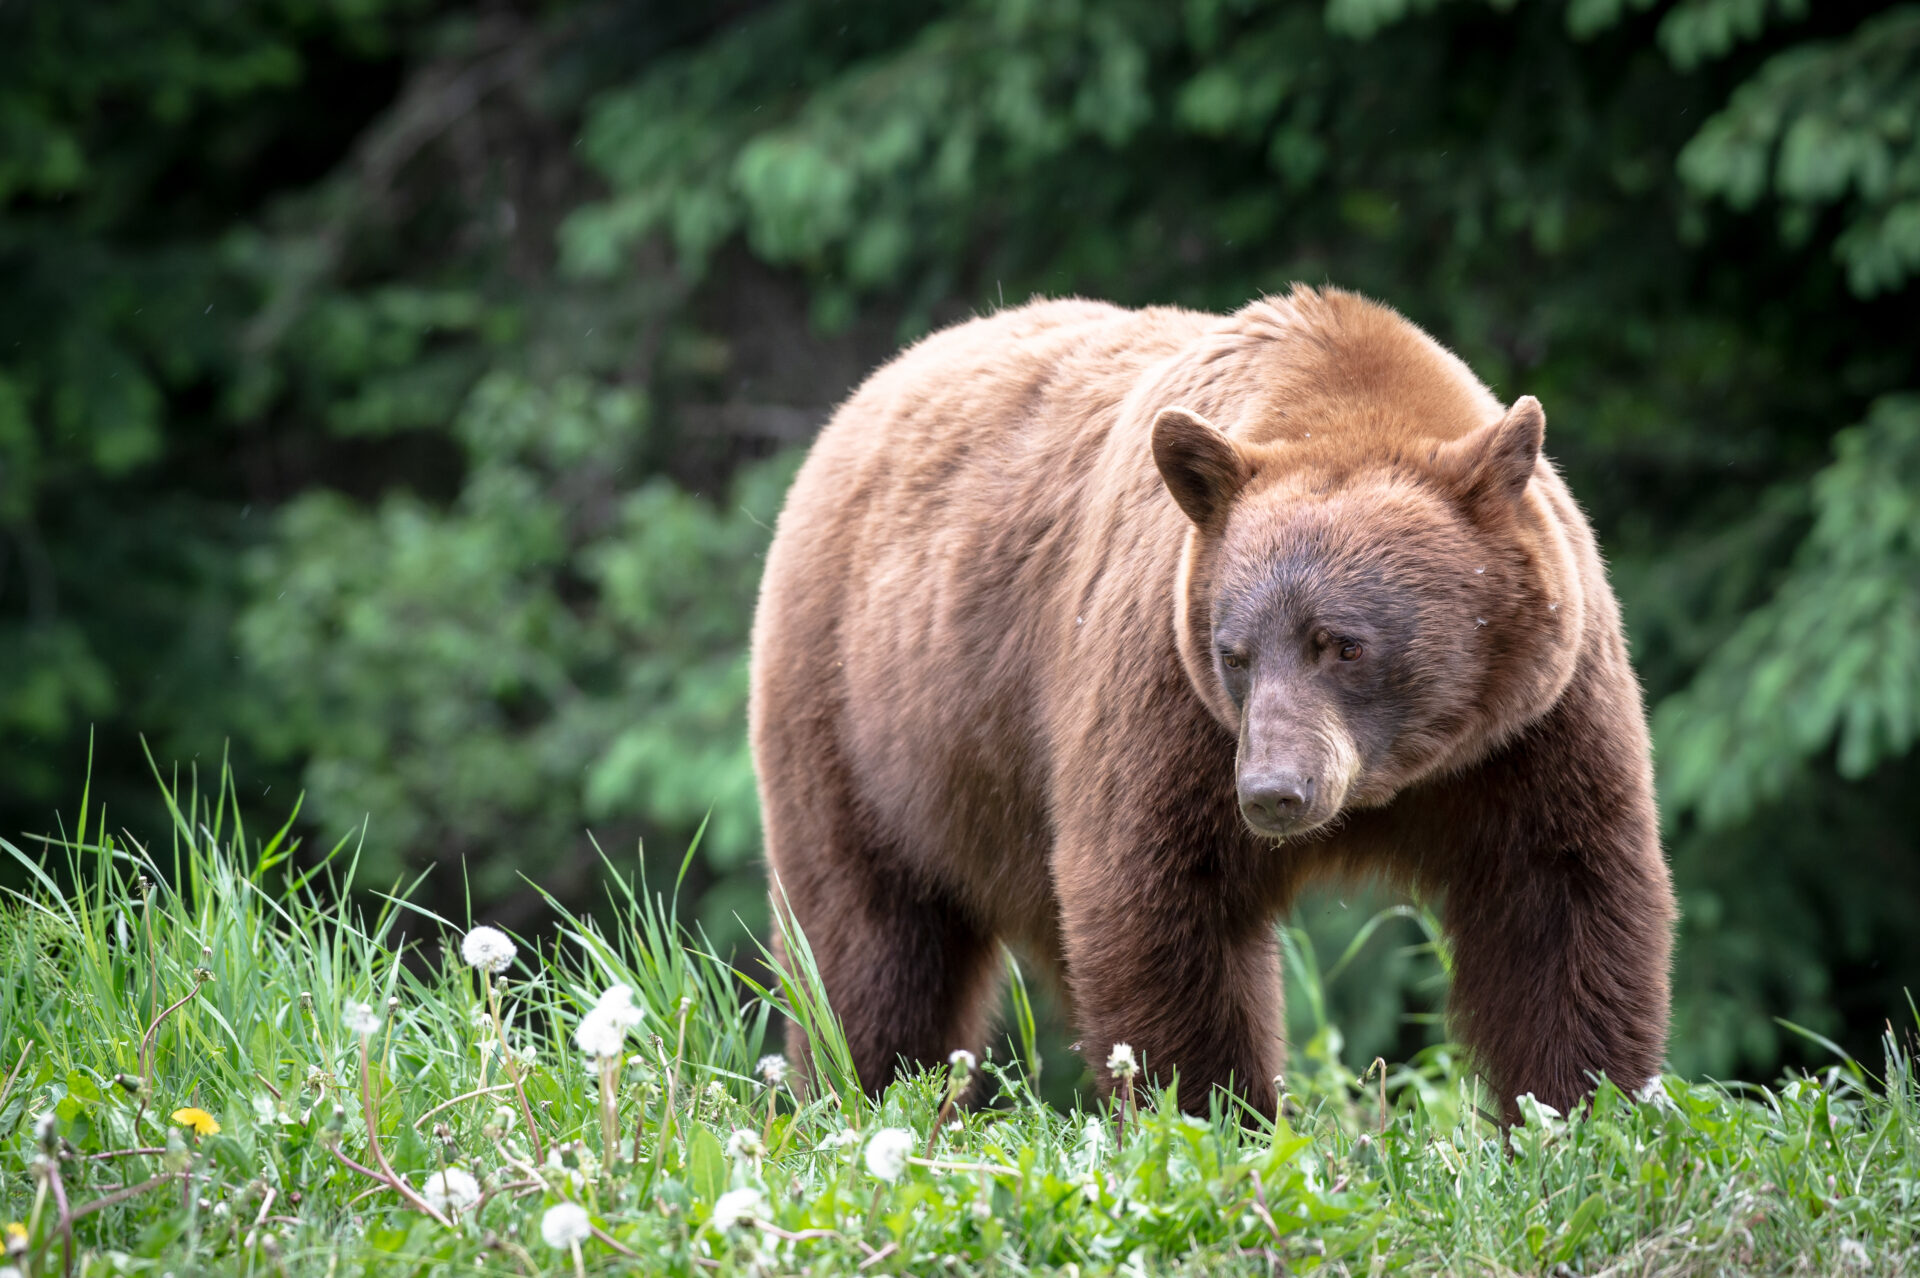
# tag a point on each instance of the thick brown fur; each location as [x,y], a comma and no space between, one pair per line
[1101,632]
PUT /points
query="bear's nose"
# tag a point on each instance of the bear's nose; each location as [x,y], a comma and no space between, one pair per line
[1275,800]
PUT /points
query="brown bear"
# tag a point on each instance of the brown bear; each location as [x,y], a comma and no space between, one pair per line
[1102,632]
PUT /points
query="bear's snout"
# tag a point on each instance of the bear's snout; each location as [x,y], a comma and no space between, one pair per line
[1276,802]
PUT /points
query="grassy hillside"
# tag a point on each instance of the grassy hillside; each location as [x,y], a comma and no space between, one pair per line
[212,1068]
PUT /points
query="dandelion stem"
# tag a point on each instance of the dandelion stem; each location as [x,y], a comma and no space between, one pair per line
[875,1257]
[266,1207]
[351,1165]
[607,1067]
[59,1188]
[796,1235]
[985,1169]
[400,1186]
[119,1196]
[959,1073]
[667,1117]
[612,1242]
[147,1038]
[153,985]
[114,1199]
[513,1073]
[1259,1206]
[464,1096]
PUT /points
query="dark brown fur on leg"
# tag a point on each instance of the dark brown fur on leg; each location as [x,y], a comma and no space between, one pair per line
[1199,1005]
[1177,958]
[1559,911]
[909,977]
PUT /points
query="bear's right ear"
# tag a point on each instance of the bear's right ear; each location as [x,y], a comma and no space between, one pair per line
[1200,466]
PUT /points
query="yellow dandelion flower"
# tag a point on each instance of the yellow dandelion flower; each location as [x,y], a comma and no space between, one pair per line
[16,1237]
[203,1123]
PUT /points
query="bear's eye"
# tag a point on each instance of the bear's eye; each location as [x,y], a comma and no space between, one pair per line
[1349,650]
[1232,660]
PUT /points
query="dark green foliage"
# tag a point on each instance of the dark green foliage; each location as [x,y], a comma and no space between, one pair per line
[407,391]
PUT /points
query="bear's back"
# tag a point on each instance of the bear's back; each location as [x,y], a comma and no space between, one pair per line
[921,575]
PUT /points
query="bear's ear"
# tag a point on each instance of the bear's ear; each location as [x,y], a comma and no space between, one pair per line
[1490,467]
[1201,467]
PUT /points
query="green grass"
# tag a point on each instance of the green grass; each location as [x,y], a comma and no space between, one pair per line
[126,1000]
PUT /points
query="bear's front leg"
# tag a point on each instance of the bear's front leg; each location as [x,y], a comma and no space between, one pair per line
[1558,907]
[1165,957]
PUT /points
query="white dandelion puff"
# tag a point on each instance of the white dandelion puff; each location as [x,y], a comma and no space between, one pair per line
[740,1207]
[744,1143]
[773,1069]
[565,1225]
[601,1034]
[887,1152]
[488,949]
[1120,1061]
[455,1189]
[616,1002]
[360,1018]
[963,1060]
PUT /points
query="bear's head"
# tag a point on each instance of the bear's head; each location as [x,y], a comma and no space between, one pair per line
[1367,618]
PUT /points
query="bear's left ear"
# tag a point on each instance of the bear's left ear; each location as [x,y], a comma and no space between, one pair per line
[1490,467]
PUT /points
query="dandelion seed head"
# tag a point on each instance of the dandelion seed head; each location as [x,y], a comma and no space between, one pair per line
[601,1035]
[565,1225]
[616,1002]
[739,1207]
[887,1152]
[453,1189]
[963,1060]
[773,1069]
[360,1018]
[1120,1061]
[488,949]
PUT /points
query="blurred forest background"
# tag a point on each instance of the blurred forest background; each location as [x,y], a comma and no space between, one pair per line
[397,394]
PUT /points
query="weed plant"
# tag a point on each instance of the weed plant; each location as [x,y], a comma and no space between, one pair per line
[212,1061]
